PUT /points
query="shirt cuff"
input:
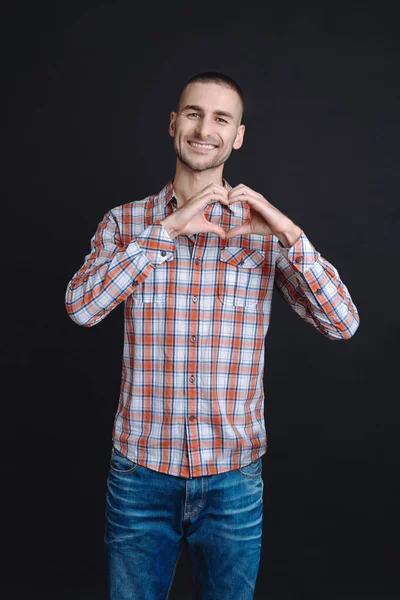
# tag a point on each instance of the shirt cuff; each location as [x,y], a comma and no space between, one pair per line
[159,247]
[302,255]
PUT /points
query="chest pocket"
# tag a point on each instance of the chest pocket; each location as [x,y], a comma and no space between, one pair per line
[241,276]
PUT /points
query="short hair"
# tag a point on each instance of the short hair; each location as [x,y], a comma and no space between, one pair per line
[215,77]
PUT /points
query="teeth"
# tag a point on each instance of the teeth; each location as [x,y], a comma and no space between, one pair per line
[202,145]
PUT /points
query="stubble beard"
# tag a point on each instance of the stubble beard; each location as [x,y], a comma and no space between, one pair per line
[199,167]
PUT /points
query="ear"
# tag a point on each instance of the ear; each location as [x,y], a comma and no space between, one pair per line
[172,119]
[239,137]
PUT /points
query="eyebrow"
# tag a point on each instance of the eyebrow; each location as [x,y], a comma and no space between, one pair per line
[216,112]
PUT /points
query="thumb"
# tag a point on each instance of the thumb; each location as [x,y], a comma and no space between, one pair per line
[212,228]
[240,230]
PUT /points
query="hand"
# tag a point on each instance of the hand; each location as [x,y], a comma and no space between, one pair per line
[190,218]
[264,219]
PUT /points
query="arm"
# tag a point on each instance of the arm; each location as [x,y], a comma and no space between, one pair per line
[112,270]
[312,287]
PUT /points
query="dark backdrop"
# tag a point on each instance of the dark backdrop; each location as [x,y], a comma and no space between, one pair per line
[88,88]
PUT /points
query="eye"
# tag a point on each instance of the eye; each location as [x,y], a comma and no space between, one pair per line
[221,119]
[191,114]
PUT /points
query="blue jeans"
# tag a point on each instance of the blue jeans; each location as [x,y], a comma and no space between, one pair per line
[148,513]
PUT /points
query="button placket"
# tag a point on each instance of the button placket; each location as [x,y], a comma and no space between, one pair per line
[194,307]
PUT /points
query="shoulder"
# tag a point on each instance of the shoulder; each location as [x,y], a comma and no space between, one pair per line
[133,209]
[131,218]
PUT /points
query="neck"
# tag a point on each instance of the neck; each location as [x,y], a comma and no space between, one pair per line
[187,182]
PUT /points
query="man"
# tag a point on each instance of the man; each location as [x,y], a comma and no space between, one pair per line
[196,266]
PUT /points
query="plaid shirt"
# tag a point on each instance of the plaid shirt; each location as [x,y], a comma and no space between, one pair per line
[197,310]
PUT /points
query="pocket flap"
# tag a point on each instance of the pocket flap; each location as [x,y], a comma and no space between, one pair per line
[242,257]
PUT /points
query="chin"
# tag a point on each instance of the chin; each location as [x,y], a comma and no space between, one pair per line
[195,165]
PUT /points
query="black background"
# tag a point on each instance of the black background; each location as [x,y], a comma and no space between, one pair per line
[88,88]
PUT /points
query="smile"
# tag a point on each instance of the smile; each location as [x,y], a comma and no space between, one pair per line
[202,146]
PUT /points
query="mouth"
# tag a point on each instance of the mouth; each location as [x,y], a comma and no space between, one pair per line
[201,147]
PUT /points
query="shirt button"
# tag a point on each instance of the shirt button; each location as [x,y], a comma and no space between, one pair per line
[194,298]
[163,253]
[193,338]
[197,261]
[134,282]
[318,291]
[298,259]
[241,261]
[192,417]
[192,378]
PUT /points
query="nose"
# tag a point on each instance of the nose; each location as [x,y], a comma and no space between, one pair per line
[204,128]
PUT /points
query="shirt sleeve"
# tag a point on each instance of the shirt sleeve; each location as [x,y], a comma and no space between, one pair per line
[313,288]
[111,270]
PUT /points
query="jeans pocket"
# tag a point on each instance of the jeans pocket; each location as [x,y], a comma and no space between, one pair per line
[253,470]
[121,463]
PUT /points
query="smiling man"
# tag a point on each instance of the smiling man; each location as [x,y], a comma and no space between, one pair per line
[206,128]
[196,266]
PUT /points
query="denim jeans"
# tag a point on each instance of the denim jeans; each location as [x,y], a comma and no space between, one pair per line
[148,513]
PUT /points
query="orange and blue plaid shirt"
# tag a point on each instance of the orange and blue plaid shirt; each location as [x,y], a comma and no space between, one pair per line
[197,311]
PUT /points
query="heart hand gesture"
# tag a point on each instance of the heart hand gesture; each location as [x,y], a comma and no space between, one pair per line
[264,219]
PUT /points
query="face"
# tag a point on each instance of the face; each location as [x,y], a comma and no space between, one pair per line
[206,127]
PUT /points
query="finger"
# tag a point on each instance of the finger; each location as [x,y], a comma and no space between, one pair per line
[214,185]
[238,196]
[212,228]
[255,200]
[198,203]
[240,230]
[219,190]
[240,186]
[217,193]
[243,191]
[213,190]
